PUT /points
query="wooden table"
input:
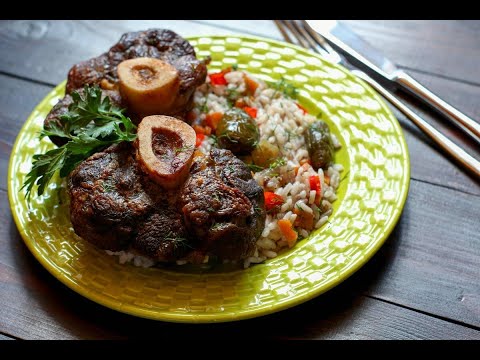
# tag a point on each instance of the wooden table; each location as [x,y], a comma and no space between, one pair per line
[423,284]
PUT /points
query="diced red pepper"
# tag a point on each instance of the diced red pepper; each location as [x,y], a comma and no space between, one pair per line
[250,111]
[199,139]
[315,183]
[213,119]
[272,200]
[218,78]
[302,108]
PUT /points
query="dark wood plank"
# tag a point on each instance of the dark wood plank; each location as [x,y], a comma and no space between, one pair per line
[446,48]
[37,306]
[45,50]
[17,100]
[428,162]
[430,261]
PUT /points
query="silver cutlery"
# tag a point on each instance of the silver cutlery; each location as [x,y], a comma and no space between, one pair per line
[346,40]
[306,37]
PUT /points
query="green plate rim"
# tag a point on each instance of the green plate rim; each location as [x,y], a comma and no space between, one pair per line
[224,317]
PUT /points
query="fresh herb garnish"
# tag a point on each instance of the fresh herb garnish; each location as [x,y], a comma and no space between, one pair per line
[232,96]
[179,150]
[255,168]
[204,107]
[214,139]
[89,125]
[277,163]
[177,241]
[283,86]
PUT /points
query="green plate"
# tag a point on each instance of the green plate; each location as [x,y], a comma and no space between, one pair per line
[370,201]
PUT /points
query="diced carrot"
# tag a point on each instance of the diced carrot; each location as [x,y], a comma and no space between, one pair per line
[252,85]
[286,228]
[250,111]
[213,119]
[305,161]
[302,108]
[208,130]
[304,219]
[199,139]
[240,103]
[199,129]
[218,78]
[296,170]
[326,179]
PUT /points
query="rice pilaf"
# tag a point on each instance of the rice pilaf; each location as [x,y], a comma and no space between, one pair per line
[282,122]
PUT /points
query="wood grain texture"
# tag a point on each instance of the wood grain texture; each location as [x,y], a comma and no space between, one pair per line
[37,306]
[445,48]
[431,260]
[45,50]
[17,100]
[423,283]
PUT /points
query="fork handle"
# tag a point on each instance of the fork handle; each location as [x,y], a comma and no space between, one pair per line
[446,144]
[454,115]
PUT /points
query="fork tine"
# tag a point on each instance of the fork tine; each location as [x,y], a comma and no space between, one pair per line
[285,35]
[332,54]
[297,35]
[308,38]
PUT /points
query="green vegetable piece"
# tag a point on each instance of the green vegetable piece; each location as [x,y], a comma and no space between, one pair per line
[238,132]
[319,144]
[265,153]
[90,125]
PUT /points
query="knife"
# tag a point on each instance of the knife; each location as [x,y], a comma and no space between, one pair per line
[346,40]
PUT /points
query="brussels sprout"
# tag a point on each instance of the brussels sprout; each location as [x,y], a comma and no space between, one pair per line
[319,144]
[238,132]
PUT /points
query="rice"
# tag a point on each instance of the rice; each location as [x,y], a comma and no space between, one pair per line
[281,122]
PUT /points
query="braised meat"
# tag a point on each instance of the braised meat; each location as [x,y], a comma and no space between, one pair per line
[115,206]
[102,70]
[154,43]
[223,206]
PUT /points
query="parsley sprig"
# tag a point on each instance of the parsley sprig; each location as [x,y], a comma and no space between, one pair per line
[89,125]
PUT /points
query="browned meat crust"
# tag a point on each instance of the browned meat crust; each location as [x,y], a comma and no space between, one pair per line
[157,43]
[115,206]
[223,206]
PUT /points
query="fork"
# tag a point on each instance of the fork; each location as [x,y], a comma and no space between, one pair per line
[310,39]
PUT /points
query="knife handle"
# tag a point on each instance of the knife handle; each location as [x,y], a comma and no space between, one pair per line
[409,83]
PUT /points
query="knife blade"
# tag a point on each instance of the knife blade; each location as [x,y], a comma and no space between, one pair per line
[350,43]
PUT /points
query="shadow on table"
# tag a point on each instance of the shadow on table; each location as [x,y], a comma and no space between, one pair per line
[69,315]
